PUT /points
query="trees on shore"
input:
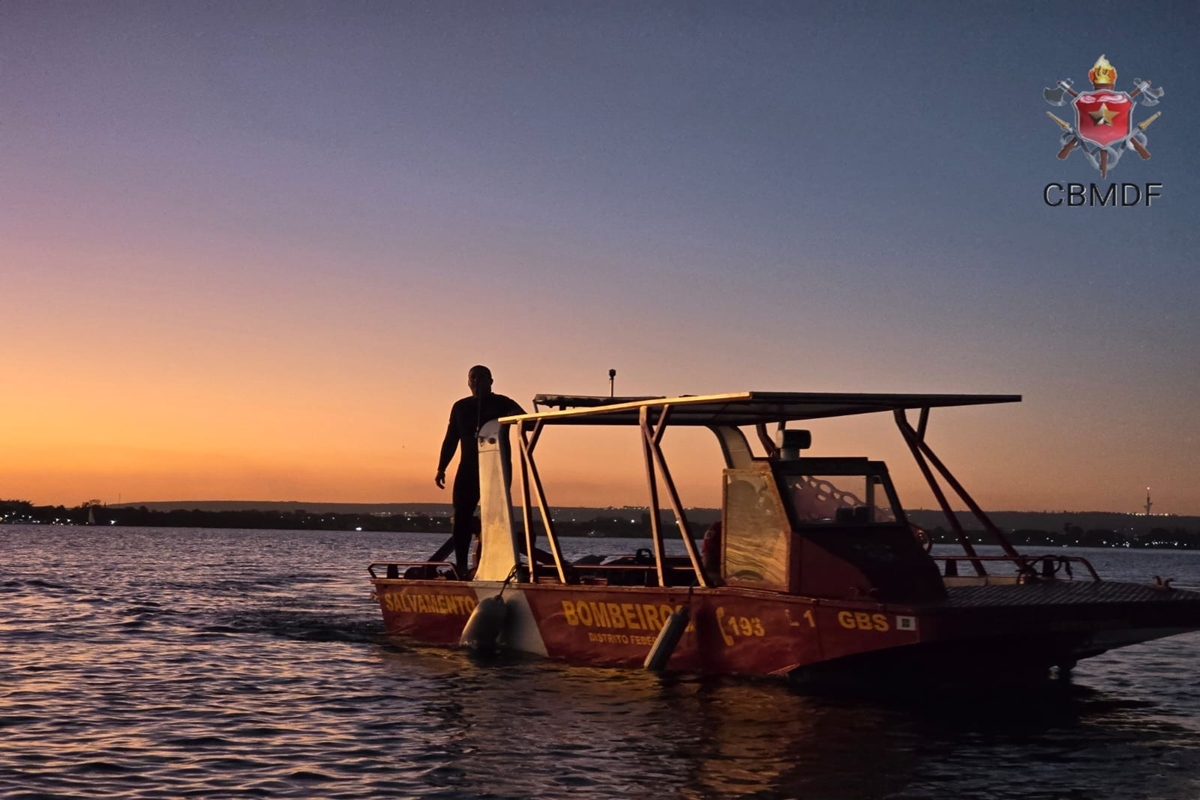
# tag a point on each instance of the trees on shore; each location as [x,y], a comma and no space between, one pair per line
[603,524]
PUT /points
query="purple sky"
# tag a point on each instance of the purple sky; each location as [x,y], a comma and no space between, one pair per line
[249,250]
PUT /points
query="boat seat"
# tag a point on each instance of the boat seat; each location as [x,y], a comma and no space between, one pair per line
[859,514]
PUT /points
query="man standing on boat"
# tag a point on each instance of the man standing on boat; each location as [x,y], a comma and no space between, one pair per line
[467,416]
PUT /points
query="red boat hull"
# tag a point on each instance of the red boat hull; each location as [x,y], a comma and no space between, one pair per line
[1010,629]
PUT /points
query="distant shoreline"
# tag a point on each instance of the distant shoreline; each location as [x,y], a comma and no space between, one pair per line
[1037,529]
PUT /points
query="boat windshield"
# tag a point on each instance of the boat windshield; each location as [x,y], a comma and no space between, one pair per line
[838,499]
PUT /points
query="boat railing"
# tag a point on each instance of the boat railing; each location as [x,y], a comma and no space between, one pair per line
[1027,568]
[615,574]
[591,573]
[429,570]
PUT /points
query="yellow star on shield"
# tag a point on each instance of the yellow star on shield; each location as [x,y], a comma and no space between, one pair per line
[1104,116]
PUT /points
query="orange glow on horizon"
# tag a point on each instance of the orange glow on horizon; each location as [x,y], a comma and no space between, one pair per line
[355,460]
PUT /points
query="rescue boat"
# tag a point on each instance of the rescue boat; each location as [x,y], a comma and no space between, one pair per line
[813,572]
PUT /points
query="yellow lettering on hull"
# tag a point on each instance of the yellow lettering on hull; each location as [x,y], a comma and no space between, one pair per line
[618,616]
[442,604]
[862,621]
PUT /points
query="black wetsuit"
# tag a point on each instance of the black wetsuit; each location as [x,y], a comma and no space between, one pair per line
[467,416]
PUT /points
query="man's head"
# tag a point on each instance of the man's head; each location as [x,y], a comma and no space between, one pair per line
[479,380]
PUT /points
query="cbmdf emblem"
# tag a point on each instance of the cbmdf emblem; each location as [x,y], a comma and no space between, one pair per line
[1102,126]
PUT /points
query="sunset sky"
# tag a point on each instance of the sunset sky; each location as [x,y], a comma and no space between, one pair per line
[249,250]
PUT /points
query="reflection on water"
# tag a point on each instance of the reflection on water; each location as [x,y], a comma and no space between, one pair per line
[630,733]
[170,663]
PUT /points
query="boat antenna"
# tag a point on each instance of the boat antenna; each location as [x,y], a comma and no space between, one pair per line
[612,377]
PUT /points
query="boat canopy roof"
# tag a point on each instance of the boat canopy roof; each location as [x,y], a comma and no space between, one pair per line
[739,408]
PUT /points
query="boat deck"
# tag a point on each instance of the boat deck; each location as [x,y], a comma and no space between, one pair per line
[1058,593]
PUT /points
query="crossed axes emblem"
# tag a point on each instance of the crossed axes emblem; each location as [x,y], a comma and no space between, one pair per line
[1103,157]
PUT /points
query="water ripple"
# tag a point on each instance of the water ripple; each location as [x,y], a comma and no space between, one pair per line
[191,663]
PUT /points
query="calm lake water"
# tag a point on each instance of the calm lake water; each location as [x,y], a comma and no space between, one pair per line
[141,663]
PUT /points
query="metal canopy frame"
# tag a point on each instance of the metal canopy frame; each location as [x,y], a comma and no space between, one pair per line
[738,409]
[652,414]
[924,456]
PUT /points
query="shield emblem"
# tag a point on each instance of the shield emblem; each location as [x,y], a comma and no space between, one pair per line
[1104,117]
